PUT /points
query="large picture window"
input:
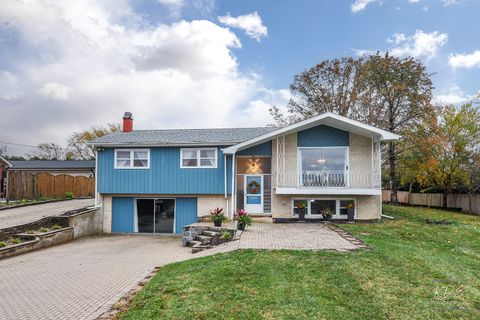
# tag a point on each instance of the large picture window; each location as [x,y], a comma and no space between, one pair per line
[132,158]
[324,167]
[198,158]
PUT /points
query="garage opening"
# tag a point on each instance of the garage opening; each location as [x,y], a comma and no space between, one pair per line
[155,215]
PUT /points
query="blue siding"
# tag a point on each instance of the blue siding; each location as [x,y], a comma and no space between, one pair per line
[122,214]
[186,212]
[323,136]
[264,149]
[164,176]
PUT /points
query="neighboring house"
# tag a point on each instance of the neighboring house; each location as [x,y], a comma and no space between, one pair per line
[3,176]
[160,180]
[73,168]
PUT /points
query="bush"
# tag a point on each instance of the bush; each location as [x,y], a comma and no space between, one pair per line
[15,240]
[3,244]
[43,230]
[226,235]
[56,227]
[69,195]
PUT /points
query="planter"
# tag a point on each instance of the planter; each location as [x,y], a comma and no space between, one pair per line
[217,223]
[351,214]
[241,226]
[327,218]
[301,214]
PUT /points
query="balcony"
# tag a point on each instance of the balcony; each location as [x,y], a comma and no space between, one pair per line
[328,182]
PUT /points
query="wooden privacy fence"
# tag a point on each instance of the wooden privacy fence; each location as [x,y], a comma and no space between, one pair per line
[26,185]
[469,203]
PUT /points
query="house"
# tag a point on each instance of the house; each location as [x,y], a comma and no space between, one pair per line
[160,180]
[73,168]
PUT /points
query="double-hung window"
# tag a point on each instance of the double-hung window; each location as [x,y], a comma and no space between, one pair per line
[132,158]
[198,158]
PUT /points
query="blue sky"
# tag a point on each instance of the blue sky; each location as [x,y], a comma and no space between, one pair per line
[68,65]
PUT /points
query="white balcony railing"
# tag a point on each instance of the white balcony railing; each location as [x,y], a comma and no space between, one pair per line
[328,179]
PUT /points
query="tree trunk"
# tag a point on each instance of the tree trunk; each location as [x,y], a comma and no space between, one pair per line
[445,199]
[392,175]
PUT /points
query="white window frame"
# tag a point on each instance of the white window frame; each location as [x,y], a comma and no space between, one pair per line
[337,214]
[346,166]
[132,158]
[198,151]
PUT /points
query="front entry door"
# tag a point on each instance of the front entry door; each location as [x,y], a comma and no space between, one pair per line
[253,193]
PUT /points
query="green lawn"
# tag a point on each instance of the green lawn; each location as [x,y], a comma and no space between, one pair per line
[411,271]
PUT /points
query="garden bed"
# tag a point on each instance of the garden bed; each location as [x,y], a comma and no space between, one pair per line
[26,203]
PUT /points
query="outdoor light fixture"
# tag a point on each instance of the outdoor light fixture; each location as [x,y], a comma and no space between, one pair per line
[321,160]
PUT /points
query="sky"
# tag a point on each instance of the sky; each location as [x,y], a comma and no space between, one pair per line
[67,65]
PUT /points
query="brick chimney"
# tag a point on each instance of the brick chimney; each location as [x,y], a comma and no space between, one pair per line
[127,122]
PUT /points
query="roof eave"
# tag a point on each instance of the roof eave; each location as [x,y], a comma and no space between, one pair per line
[151,145]
[385,136]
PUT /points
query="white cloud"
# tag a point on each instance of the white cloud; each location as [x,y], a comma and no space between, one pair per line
[413,1]
[363,52]
[360,5]
[56,91]
[94,60]
[250,23]
[465,60]
[419,45]
[447,3]
[454,96]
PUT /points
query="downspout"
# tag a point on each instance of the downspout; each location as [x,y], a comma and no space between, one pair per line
[97,202]
[233,185]
[225,181]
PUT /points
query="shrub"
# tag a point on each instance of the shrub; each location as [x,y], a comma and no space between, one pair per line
[15,240]
[56,227]
[69,195]
[43,229]
[226,235]
[3,244]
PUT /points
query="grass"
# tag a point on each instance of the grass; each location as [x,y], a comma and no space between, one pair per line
[410,271]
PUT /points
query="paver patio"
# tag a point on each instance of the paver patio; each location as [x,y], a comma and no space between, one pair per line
[84,278]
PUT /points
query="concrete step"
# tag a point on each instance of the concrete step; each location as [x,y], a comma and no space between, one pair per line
[203,239]
[211,233]
[199,246]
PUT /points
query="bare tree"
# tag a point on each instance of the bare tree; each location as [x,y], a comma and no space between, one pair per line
[79,149]
[49,151]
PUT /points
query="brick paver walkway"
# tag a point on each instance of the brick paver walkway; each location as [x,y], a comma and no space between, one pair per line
[84,278]
[21,215]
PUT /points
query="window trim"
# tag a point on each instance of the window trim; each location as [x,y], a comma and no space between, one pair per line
[337,214]
[346,166]
[131,158]
[198,158]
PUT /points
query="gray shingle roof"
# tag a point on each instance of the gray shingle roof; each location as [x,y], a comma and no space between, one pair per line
[223,136]
[53,164]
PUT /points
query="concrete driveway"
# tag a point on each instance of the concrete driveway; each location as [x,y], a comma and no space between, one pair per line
[26,214]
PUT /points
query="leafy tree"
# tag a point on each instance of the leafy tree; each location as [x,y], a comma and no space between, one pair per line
[396,96]
[330,86]
[49,151]
[79,149]
[445,149]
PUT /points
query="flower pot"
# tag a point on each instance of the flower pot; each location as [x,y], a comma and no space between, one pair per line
[217,223]
[240,225]
[326,218]
[301,214]
[351,214]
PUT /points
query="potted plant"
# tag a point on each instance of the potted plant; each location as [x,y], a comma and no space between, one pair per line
[351,211]
[326,214]
[217,216]
[243,219]
[301,210]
